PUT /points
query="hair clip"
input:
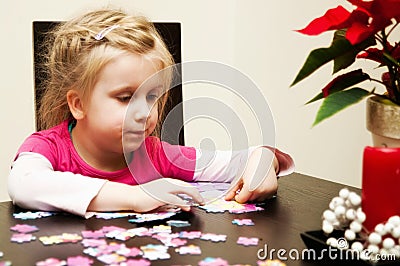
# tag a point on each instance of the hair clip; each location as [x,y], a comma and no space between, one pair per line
[104,32]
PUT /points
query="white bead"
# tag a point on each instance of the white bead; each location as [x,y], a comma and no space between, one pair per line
[373,248]
[396,232]
[351,214]
[329,216]
[355,199]
[327,228]
[395,220]
[388,243]
[380,229]
[361,217]
[337,201]
[355,226]
[383,252]
[344,193]
[357,246]
[340,210]
[389,227]
[395,252]
[375,238]
[349,235]
[331,242]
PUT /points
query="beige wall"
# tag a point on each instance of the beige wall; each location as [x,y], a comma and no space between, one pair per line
[255,37]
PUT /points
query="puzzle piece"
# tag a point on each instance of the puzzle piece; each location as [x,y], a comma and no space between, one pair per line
[247,241]
[213,237]
[88,242]
[161,229]
[79,261]
[209,261]
[190,235]
[242,222]
[138,262]
[191,249]
[51,262]
[221,205]
[155,252]
[148,217]
[22,238]
[59,239]
[93,234]
[24,228]
[112,258]
[32,215]
[178,223]
[129,252]
[270,263]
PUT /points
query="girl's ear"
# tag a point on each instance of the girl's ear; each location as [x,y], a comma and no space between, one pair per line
[75,104]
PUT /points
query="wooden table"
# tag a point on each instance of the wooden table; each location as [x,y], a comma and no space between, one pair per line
[297,208]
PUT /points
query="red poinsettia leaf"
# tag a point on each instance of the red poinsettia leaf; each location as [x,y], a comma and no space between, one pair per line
[373,54]
[386,9]
[358,32]
[363,4]
[329,21]
[344,81]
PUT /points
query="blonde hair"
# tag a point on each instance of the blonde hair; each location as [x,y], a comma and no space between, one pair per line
[76,55]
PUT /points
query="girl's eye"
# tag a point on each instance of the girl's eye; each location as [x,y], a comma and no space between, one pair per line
[124,98]
[152,97]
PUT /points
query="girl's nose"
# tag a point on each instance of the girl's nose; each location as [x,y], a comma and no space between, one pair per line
[140,110]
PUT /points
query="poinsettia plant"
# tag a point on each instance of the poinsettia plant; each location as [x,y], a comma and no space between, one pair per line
[366,32]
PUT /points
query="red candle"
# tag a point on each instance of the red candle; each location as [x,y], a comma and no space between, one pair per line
[380,185]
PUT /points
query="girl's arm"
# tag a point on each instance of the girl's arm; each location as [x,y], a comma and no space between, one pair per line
[226,166]
[34,184]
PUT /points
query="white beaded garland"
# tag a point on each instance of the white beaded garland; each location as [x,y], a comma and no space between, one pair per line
[380,229]
[340,210]
[396,232]
[388,243]
[351,214]
[345,214]
[395,220]
[344,193]
[354,199]
[327,228]
[374,238]
[356,226]
[329,216]
[349,234]
[332,242]
[373,248]
[360,216]
[358,246]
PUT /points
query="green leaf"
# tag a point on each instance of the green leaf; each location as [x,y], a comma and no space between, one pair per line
[341,51]
[339,101]
[348,57]
[341,83]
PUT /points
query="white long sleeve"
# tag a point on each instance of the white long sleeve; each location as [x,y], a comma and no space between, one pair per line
[224,166]
[33,184]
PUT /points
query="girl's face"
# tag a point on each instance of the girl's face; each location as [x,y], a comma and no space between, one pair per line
[114,119]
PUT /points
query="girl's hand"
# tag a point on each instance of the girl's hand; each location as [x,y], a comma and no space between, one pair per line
[164,191]
[259,181]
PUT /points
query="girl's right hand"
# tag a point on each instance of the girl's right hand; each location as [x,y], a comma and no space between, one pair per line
[164,191]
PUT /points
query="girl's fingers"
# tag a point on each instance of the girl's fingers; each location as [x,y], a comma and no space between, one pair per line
[244,195]
[233,190]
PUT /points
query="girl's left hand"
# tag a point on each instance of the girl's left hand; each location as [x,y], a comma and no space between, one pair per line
[259,180]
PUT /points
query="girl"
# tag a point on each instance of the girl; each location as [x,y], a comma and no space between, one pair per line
[77,164]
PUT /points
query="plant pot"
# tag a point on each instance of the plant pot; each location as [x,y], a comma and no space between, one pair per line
[380,185]
[383,121]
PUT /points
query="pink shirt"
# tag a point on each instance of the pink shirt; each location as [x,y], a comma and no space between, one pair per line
[154,158]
